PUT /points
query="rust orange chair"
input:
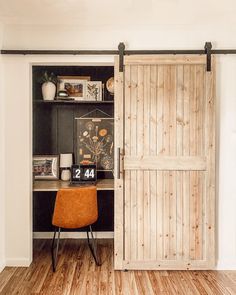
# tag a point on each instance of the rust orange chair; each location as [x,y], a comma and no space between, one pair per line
[75,208]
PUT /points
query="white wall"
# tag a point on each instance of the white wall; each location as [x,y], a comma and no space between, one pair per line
[214,23]
[226,121]
[2,164]
[17,151]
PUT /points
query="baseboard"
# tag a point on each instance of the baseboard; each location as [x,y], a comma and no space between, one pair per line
[19,262]
[226,265]
[73,235]
[2,266]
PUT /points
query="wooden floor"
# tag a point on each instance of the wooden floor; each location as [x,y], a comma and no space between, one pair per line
[78,274]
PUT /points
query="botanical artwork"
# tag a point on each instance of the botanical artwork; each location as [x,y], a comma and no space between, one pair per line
[95,142]
[94,90]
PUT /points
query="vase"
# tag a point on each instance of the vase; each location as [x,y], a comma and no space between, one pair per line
[48,90]
[65,174]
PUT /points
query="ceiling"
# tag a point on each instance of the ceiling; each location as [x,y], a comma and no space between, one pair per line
[107,12]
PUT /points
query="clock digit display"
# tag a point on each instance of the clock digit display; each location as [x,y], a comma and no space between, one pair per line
[77,173]
[89,173]
[83,173]
[86,174]
[92,173]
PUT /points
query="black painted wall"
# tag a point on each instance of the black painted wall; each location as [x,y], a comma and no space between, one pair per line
[43,206]
[54,133]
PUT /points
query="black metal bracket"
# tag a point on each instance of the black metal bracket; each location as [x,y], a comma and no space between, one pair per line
[208,47]
[121,49]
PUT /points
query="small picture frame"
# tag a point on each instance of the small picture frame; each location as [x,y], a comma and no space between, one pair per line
[94,90]
[75,86]
[46,167]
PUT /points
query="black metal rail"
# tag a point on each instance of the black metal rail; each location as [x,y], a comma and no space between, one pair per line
[60,52]
[122,52]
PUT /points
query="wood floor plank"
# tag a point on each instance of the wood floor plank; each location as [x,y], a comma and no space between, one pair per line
[77,274]
[6,276]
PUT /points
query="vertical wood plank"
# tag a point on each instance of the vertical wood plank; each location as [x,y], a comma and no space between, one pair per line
[146,151]
[179,109]
[193,152]
[166,214]
[200,85]
[179,152]
[119,186]
[172,175]
[166,151]
[186,150]
[160,105]
[198,234]
[186,131]
[160,215]
[127,145]
[160,174]
[140,174]
[172,215]
[133,151]
[192,147]
[153,152]
[210,174]
[180,218]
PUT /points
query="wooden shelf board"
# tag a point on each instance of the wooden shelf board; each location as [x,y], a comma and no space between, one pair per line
[55,185]
[73,102]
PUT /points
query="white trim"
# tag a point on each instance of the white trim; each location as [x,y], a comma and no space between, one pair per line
[18,262]
[48,235]
[2,170]
[30,162]
[73,235]
[226,265]
[2,266]
[72,63]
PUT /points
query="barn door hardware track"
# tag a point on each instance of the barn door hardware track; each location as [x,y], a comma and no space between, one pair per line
[121,52]
[121,49]
[208,47]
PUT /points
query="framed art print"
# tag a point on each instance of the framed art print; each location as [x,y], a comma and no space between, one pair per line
[94,90]
[46,167]
[75,86]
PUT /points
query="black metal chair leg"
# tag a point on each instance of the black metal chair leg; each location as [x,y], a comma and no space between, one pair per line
[92,247]
[52,250]
[54,258]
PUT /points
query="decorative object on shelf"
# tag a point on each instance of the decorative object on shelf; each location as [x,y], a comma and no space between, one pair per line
[95,140]
[110,85]
[66,161]
[94,90]
[62,94]
[103,92]
[46,167]
[49,82]
[73,86]
[83,173]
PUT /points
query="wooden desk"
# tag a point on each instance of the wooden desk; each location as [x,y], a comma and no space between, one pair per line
[55,185]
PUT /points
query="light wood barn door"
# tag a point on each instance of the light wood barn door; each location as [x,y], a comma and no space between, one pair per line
[165,197]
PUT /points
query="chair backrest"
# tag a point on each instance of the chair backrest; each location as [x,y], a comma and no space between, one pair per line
[75,207]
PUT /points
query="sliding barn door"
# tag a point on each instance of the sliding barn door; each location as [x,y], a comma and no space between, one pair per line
[165,170]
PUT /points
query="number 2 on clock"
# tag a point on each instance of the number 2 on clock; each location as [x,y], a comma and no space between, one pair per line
[77,173]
